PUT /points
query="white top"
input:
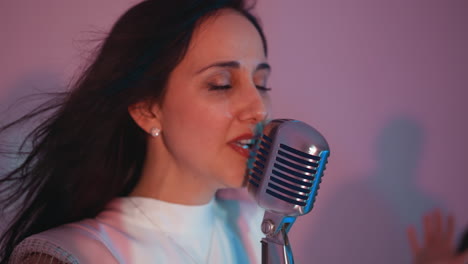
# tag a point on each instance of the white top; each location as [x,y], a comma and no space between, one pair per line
[145,230]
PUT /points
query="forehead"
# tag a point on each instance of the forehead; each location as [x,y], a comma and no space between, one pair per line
[224,37]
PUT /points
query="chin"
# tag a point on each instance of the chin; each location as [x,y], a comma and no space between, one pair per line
[233,175]
[245,179]
[237,181]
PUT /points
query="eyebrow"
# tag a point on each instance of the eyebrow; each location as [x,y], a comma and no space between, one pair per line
[234,65]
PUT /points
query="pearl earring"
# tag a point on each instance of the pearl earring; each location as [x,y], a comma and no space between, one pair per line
[155,131]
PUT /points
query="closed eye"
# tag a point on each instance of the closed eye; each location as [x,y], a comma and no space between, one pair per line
[220,87]
[228,86]
[263,88]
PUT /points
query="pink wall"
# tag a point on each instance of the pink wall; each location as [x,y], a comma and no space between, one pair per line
[387,84]
[385,81]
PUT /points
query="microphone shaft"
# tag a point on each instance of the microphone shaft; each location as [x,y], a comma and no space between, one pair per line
[277,253]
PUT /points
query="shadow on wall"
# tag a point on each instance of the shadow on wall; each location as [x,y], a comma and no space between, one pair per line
[365,222]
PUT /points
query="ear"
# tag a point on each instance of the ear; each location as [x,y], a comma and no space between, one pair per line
[146,115]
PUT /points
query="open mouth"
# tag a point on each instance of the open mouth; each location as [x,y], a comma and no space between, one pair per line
[246,143]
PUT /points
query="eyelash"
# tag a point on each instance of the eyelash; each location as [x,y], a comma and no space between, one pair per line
[263,88]
[220,87]
[228,86]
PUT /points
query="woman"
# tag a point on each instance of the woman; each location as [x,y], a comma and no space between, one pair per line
[126,168]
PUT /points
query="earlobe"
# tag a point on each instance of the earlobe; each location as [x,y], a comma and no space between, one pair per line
[145,115]
[154,131]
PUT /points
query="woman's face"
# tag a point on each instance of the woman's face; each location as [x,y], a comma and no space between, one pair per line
[214,99]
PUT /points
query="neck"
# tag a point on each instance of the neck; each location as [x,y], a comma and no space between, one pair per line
[165,181]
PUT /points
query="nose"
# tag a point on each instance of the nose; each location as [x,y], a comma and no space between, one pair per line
[254,107]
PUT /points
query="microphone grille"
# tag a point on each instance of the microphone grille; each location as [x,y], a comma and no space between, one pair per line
[288,166]
[292,175]
[260,162]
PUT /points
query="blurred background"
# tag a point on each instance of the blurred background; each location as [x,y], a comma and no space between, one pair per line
[386,82]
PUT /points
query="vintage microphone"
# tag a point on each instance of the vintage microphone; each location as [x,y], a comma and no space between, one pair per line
[284,176]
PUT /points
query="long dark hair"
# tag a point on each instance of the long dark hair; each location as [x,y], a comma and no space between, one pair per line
[89,150]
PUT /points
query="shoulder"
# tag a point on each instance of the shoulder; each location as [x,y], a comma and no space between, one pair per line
[71,243]
[40,258]
[37,250]
[114,236]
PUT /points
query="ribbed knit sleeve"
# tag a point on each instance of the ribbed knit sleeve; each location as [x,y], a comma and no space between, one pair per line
[42,251]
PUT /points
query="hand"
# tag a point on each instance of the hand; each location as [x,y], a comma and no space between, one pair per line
[437,246]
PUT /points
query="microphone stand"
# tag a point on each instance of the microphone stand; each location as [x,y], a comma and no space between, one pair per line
[276,248]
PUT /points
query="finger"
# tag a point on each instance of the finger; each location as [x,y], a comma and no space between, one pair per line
[413,239]
[437,223]
[450,227]
[427,227]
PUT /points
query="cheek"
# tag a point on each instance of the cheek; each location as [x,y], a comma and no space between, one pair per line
[197,124]
[220,104]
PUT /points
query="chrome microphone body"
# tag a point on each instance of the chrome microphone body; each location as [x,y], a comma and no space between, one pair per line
[284,177]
